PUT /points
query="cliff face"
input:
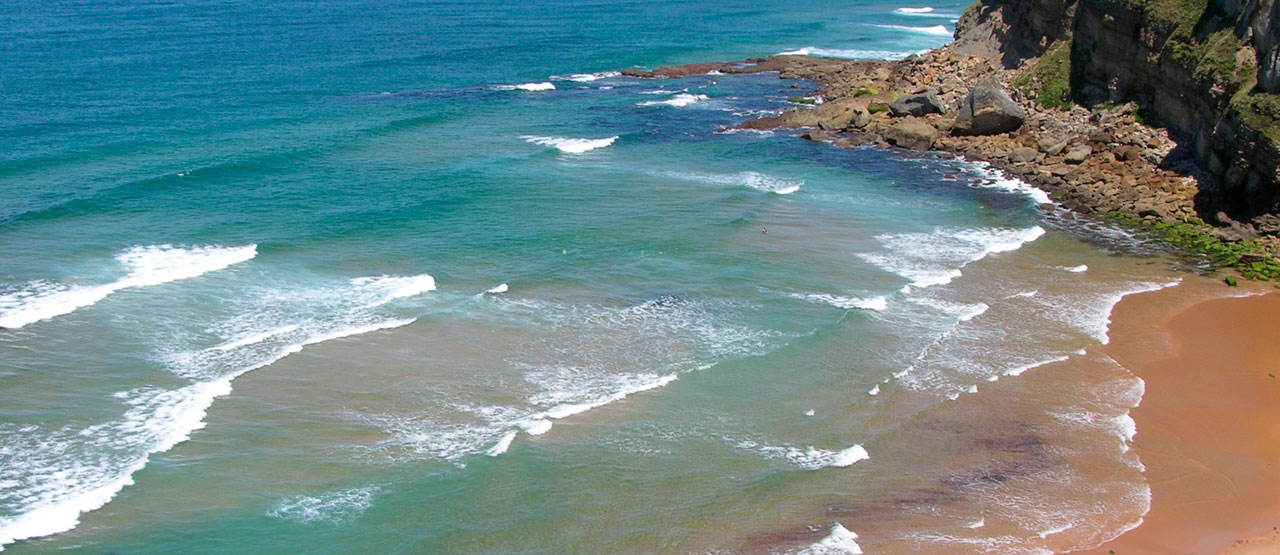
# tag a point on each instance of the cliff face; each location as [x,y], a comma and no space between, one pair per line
[1209,70]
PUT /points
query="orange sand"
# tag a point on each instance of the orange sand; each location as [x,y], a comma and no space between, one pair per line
[1209,423]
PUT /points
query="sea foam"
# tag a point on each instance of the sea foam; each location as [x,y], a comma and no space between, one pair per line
[334,506]
[146,266]
[936,258]
[993,178]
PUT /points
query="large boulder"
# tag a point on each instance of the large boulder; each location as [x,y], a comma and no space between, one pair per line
[916,105]
[988,110]
[911,133]
[839,114]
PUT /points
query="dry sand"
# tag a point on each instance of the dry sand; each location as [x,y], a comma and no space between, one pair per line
[1209,423]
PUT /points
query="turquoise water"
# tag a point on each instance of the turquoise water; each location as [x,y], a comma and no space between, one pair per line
[424,277]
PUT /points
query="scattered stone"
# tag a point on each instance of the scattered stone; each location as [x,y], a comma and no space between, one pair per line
[988,110]
[916,105]
[1022,154]
[1128,153]
[861,117]
[1077,154]
[1052,146]
[912,133]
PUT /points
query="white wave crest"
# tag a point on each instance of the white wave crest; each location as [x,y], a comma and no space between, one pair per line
[851,54]
[996,179]
[147,266]
[571,146]
[678,101]
[925,12]
[848,303]
[531,87]
[395,287]
[811,458]
[752,180]
[588,77]
[500,288]
[502,445]
[933,30]
[841,541]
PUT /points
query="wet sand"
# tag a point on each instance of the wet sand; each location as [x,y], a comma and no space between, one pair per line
[1209,422]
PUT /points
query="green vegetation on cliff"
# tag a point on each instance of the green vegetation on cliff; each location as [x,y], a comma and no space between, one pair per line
[1049,79]
[1246,257]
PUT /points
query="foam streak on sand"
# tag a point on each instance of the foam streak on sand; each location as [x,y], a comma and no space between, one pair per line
[841,541]
[147,266]
[571,146]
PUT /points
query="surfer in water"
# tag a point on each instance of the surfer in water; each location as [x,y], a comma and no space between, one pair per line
[764,231]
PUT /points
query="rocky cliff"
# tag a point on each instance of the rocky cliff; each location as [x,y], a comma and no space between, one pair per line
[1208,70]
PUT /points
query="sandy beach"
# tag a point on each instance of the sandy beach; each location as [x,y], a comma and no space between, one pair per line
[1208,428]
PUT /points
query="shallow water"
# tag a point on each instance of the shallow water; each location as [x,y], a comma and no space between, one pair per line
[426,277]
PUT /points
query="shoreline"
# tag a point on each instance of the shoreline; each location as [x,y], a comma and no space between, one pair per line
[1207,431]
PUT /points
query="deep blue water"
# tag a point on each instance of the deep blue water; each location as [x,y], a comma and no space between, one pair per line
[245,249]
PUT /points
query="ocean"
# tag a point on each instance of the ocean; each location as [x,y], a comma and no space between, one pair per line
[422,276]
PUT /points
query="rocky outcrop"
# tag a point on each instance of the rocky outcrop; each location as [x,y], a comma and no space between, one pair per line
[1104,159]
[1209,71]
[988,110]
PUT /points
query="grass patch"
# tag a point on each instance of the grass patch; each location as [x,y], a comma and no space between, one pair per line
[802,100]
[877,108]
[1212,60]
[1246,257]
[865,91]
[1049,80]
